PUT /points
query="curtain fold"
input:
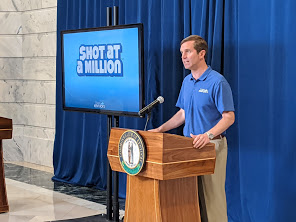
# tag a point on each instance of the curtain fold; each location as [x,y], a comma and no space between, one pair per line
[251,43]
[266,69]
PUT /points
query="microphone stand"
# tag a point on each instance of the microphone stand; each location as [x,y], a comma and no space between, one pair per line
[148,118]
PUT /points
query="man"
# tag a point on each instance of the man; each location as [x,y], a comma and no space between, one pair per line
[206,108]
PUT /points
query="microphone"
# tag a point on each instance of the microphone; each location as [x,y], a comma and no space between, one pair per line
[148,108]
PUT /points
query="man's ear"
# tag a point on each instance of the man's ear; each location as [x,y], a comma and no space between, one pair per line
[202,53]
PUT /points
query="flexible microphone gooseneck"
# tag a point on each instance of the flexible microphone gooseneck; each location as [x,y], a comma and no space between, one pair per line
[148,108]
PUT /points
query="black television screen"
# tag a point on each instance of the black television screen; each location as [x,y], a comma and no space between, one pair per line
[103,70]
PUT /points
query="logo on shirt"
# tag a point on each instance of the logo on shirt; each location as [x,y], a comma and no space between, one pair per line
[203,90]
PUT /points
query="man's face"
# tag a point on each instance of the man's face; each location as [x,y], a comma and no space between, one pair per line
[191,59]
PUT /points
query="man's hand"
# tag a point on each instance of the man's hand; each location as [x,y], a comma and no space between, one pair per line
[200,140]
[177,120]
[156,130]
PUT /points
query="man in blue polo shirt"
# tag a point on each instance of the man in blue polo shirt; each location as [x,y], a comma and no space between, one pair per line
[206,108]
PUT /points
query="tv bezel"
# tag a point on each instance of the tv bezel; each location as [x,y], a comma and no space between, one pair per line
[141,70]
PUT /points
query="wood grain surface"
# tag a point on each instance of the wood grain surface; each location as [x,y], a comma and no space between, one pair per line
[5,128]
[5,133]
[161,200]
[168,156]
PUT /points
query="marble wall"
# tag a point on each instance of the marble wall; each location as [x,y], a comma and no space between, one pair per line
[27,78]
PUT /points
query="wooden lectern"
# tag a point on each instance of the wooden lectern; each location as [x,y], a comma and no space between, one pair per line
[166,189]
[5,133]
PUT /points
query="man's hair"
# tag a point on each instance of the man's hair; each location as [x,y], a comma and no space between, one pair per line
[199,43]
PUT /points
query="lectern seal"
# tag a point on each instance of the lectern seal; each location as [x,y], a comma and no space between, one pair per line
[131,152]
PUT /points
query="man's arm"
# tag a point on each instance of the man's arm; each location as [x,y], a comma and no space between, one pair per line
[202,139]
[177,120]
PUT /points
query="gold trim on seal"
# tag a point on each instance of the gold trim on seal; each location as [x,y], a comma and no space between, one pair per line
[140,144]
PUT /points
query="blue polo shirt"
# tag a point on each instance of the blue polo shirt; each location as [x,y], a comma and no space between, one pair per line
[204,100]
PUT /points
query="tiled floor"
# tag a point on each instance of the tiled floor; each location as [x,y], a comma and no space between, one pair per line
[32,196]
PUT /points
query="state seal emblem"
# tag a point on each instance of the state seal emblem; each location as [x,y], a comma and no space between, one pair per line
[131,152]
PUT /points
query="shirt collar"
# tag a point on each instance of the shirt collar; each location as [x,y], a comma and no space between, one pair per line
[204,75]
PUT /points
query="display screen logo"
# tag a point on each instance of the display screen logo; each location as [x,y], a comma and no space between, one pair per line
[100,60]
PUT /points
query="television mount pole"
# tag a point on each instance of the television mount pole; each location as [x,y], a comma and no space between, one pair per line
[115,210]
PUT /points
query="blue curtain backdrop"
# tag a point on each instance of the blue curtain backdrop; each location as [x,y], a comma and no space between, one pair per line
[252,43]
